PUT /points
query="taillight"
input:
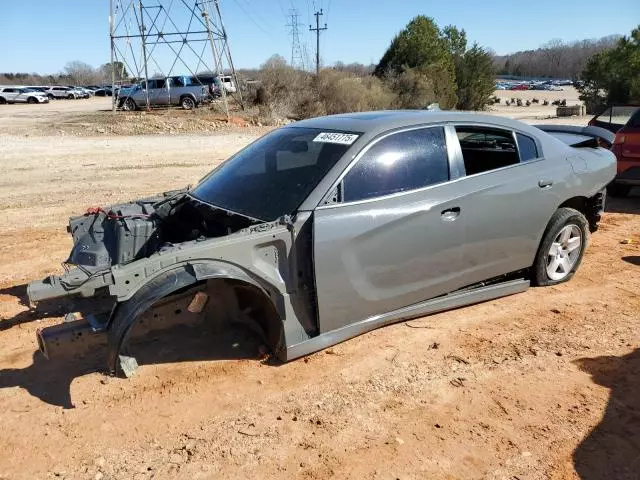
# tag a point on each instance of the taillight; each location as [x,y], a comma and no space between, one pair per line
[619,140]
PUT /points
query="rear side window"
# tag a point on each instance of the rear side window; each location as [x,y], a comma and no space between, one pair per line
[527,147]
[485,149]
[401,162]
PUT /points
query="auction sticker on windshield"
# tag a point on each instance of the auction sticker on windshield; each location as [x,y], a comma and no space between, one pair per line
[333,137]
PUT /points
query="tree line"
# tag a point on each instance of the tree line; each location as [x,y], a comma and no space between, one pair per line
[554,59]
[74,73]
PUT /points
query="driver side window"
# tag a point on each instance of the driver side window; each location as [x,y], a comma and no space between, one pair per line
[401,162]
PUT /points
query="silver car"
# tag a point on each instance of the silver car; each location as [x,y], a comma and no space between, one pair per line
[162,92]
[331,227]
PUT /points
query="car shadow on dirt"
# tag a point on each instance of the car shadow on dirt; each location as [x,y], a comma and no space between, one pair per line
[628,204]
[632,259]
[612,448]
[50,380]
[44,310]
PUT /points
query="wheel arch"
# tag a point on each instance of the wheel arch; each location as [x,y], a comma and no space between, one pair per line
[191,96]
[589,207]
[248,293]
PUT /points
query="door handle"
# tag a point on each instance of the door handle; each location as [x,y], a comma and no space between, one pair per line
[545,183]
[450,214]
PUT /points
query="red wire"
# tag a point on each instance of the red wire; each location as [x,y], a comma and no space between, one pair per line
[110,214]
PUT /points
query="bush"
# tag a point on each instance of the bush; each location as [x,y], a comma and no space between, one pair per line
[281,89]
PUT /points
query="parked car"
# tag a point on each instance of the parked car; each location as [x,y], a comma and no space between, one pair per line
[228,83]
[80,92]
[21,95]
[520,86]
[61,92]
[624,121]
[177,90]
[333,226]
[103,92]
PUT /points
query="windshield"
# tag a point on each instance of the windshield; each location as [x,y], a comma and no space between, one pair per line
[272,176]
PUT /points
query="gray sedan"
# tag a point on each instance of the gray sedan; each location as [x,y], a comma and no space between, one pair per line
[334,226]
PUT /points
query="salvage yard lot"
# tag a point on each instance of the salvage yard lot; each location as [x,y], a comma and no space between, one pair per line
[540,385]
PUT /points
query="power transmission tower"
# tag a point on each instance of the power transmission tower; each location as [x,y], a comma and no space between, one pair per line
[297,60]
[162,38]
[318,30]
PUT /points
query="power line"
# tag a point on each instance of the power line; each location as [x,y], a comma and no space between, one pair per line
[318,29]
[169,34]
[297,59]
[250,17]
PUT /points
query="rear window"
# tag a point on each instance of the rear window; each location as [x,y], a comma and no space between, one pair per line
[616,115]
[485,148]
[527,147]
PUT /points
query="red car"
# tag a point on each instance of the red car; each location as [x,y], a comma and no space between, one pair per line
[520,86]
[624,121]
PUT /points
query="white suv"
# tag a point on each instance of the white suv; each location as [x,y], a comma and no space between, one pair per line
[61,92]
[21,95]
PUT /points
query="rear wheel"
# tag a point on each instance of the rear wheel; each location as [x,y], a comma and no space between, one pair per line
[70,96]
[129,105]
[32,100]
[562,247]
[617,190]
[50,96]
[187,103]
[3,101]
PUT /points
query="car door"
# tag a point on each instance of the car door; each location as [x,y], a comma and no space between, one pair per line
[20,96]
[508,194]
[396,235]
[160,92]
[8,94]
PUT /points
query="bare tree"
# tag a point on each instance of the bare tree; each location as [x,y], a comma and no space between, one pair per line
[81,73]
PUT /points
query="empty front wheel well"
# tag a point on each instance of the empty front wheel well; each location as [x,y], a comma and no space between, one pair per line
[168,298]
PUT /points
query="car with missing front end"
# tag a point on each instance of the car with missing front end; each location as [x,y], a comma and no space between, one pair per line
[331,227]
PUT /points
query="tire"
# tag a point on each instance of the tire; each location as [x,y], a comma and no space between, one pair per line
[50,96]
[562,248]
[187,103]
[617,190]
[129,105]
[3,101]
[70,97]
[32,100]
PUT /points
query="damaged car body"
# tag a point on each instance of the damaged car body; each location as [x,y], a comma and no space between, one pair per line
[334,226]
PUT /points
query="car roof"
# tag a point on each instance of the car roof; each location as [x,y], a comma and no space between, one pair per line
[373,123]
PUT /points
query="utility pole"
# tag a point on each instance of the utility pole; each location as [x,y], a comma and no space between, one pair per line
[318,30]
[297,60]
[113,72]
[143,34]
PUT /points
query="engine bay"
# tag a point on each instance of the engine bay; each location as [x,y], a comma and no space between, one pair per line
[127,232]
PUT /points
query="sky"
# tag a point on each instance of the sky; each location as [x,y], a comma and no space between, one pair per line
[43,35]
